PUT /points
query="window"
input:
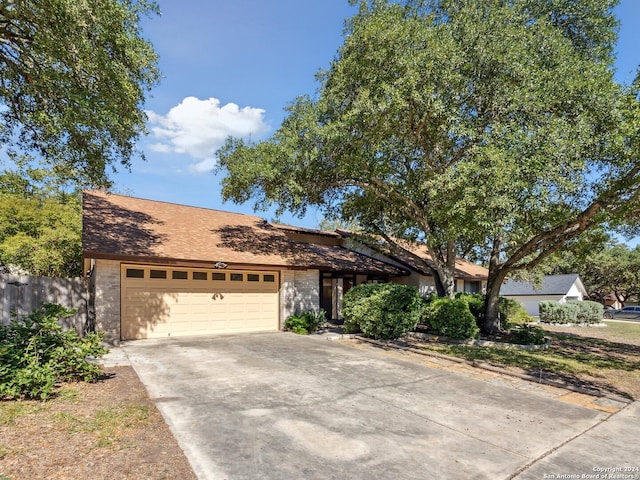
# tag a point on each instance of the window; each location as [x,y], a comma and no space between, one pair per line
[218,276]
[269,278]
[157,274]
[179,275]
[237,277]
[135,273]
[200,275]
[253,277]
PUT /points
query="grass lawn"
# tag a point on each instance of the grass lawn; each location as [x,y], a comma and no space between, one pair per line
[605,358]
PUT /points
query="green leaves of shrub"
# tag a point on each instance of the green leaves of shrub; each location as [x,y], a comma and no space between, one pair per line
[305,322]
[451,318]
[382,310]
[571,312]
[36,354]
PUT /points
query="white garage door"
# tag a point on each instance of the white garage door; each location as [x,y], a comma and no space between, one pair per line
[171,301]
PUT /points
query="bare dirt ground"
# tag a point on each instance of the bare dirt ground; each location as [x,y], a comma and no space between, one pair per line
[104,430]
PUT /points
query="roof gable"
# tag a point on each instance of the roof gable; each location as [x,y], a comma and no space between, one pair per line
[551,285]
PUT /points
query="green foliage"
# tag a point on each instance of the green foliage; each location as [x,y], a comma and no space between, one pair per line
[305,322]
[555,312]
[571,312]
[74,80]
[36,354]
[382,310]
[510,311]
[588,312]
[451,318]
[527,335]
[487,123]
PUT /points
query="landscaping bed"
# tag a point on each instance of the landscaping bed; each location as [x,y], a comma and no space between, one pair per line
[104,430]
[602,359]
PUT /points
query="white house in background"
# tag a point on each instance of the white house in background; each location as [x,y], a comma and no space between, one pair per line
[560,288]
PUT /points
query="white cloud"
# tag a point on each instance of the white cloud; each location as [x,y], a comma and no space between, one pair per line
[199,127]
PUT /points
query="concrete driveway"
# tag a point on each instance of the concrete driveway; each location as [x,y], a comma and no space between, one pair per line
[283,406]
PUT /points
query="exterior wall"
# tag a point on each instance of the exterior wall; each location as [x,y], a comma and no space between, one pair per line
[425,284]
[107,299]
[531,302]
[574,293]
[299,291]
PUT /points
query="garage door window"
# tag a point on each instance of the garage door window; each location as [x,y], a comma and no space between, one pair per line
[199,275]
[218,276]
[135,273]
[237,277]
[158,274]
[269,278]
[253,277]
[179,275]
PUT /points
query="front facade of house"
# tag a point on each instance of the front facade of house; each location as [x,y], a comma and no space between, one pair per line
[159,269]
[557,288]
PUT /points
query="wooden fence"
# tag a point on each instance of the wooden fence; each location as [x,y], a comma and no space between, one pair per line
[21,294]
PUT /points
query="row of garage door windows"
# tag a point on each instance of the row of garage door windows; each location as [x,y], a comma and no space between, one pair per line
[184,275]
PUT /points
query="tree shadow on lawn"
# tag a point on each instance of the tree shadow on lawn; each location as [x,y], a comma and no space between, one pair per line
[605,367]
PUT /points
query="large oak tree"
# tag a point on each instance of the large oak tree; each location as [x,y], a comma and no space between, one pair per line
[73,80]
[487,122]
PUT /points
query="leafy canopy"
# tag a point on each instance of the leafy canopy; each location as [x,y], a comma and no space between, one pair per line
[486,122]
[40,225]
[74,74]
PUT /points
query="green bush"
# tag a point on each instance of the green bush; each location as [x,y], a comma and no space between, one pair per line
[36,354]
[527,335]
[555,312]
[451,318]
[588,312]
[510,311]
[305,322]
[382,310]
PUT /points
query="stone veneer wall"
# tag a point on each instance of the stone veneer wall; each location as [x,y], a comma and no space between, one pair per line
[107,299]
[300,290]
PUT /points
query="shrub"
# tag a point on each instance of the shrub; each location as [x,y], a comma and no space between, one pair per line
[36,354]
[527,335]
[588,312]
[305,322]
[555,312]
[476,305]
[451,318]
[382,310]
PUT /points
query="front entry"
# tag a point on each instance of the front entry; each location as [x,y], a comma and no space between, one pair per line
[333,288]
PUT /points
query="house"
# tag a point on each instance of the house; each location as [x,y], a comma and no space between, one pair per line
[469,277]
[559,288]
[159,269]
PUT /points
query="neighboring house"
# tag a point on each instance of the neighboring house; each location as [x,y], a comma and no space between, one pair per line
[559,288]
[159,269]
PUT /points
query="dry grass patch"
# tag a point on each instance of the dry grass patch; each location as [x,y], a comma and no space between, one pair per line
[105,430]
[605,359]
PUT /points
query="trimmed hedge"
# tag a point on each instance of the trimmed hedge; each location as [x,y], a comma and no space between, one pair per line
[382,310]
[570,312]
[451,318]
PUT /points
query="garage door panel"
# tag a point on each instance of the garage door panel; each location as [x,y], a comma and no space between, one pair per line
[161,307]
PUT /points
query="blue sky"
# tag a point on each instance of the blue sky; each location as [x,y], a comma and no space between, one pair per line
[230,68]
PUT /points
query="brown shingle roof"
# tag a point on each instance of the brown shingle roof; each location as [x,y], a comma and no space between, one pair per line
[116,226]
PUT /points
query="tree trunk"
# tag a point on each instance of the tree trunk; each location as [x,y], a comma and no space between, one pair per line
[491,323]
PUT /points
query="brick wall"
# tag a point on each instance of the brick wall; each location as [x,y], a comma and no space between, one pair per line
[107,299]
[300,291]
